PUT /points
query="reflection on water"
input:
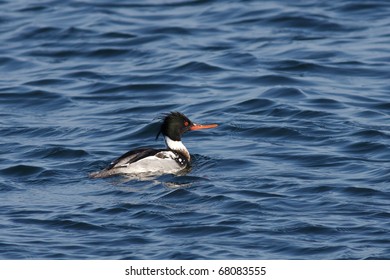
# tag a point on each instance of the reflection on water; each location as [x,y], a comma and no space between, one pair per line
[298,168]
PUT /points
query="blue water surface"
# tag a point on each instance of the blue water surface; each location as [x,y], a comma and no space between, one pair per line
[299,167]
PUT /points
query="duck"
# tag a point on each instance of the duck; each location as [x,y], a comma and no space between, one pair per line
[171,160]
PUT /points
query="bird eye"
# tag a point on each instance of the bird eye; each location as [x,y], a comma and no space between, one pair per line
[185,123]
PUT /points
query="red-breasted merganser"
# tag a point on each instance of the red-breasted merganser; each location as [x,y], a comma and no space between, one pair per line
[157,161]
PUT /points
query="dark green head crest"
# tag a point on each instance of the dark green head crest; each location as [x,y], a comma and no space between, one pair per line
[174,124]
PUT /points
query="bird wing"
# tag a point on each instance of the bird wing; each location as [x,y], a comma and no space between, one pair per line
[132,156]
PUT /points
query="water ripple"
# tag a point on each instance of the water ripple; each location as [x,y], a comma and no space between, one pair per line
[297,169]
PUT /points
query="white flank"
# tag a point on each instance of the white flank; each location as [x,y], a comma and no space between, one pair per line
[154,164]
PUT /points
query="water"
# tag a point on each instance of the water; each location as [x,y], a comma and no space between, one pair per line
[298,168]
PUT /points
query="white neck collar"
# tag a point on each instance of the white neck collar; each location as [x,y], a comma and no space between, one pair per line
[177,146]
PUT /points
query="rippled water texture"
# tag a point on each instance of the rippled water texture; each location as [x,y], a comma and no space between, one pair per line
[298,169]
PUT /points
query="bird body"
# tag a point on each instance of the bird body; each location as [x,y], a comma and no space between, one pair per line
[171,160]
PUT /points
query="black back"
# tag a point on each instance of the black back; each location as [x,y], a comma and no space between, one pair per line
[138,154]
[133,156]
